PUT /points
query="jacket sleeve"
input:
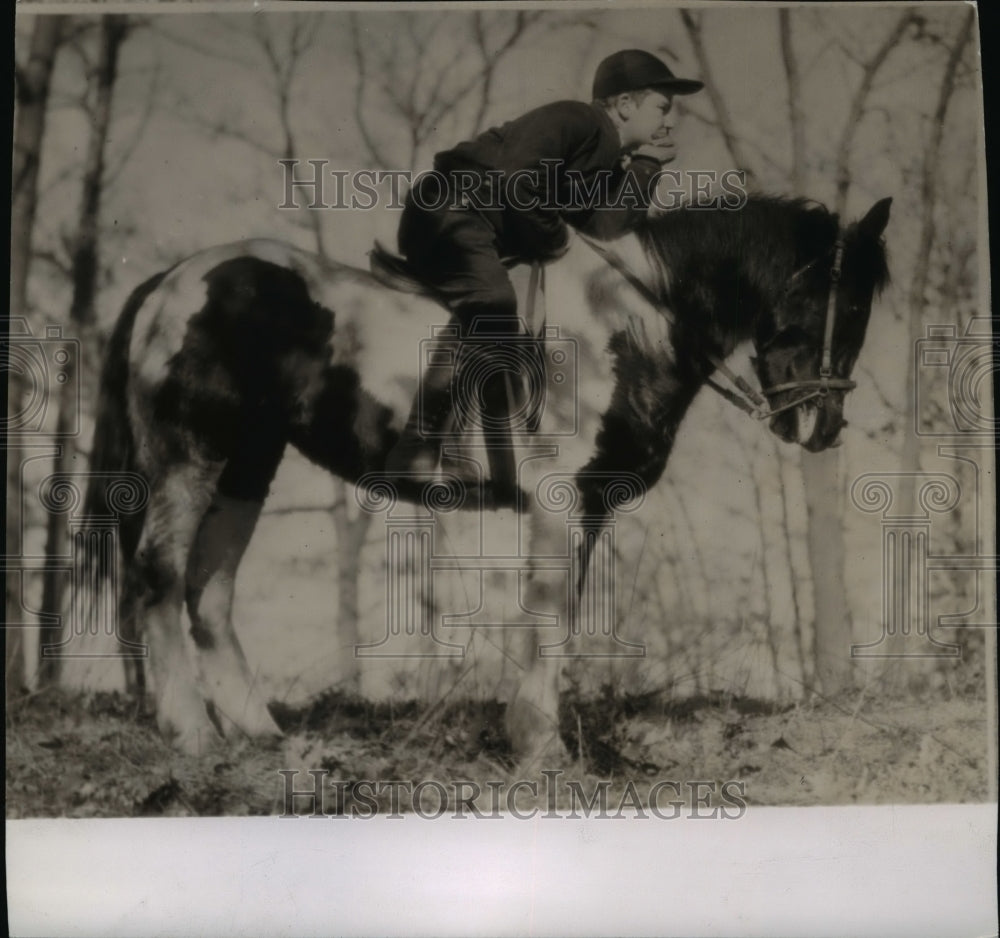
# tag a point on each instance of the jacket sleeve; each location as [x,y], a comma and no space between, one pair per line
[556,133]
[630,194]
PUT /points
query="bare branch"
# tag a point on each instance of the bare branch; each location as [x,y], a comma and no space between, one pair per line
[928,182]
[796,113]
[858,102]
[222,128]
[693,25]
[491,61]
[217,52]
[140,129]
[357,48]
[59,263]
[873,382]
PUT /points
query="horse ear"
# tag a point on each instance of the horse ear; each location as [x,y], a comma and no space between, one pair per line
[877,218]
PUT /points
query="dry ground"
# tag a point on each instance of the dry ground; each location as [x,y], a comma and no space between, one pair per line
[100,756]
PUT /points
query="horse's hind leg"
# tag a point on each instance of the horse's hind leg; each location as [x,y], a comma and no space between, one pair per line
[219,546]
[154,593]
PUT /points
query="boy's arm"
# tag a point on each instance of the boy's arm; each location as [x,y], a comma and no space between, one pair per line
[559,132]
[630,194]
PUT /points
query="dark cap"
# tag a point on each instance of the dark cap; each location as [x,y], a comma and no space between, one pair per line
[632,69]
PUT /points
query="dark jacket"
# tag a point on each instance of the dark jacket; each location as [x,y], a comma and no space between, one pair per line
[584,184]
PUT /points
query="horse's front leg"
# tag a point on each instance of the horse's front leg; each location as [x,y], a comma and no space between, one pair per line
[533,713]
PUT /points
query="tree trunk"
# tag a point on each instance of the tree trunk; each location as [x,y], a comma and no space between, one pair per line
[32,98]
[796,112]
[910,457]
[822,473]
[822,476]
[85,270]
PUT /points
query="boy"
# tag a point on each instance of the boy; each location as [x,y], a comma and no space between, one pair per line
[511,192]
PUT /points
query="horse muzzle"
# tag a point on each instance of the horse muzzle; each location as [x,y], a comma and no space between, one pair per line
[814,424]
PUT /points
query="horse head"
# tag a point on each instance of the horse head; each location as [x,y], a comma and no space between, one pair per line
[808,342]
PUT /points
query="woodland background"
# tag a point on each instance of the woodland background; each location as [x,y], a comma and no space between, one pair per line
[141,138]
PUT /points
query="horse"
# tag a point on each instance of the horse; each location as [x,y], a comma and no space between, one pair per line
[217,364]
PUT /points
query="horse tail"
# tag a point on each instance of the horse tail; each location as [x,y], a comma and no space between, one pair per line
[112,453]
[96,638]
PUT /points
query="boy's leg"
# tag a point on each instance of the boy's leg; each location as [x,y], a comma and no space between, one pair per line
[456,251]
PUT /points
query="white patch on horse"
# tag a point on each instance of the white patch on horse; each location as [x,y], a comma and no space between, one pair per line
[590,301]
[381,333]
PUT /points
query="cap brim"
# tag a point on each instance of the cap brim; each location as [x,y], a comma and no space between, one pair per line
[680,86]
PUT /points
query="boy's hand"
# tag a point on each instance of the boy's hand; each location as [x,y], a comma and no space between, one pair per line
[662,152]
[558,252]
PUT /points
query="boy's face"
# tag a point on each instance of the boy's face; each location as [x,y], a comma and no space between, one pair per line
[646,121]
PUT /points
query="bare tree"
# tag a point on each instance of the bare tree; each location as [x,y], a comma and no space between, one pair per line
[917,300]
[796,112]
[491,55]
[85,265]
[693,23]
[859,102]
[405,73]
[822,473]
[793,577]
[33,84]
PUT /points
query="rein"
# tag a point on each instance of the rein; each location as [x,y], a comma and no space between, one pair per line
[752,402]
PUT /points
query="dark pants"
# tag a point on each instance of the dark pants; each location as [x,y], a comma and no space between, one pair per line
[456,250]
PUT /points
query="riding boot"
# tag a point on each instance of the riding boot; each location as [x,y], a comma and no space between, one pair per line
[418,449]
[497,402]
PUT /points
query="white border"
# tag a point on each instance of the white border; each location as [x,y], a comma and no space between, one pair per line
[908,871]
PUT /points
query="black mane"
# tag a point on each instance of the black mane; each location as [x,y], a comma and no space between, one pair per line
[723,267]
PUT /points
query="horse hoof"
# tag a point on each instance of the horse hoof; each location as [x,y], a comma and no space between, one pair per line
[534,739]
[194,740]
[253,723]
[542,754]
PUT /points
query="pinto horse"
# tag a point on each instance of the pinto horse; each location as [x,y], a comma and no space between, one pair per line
[218,363]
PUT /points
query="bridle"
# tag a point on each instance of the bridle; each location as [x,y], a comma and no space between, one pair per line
[821,386]
[757,403]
